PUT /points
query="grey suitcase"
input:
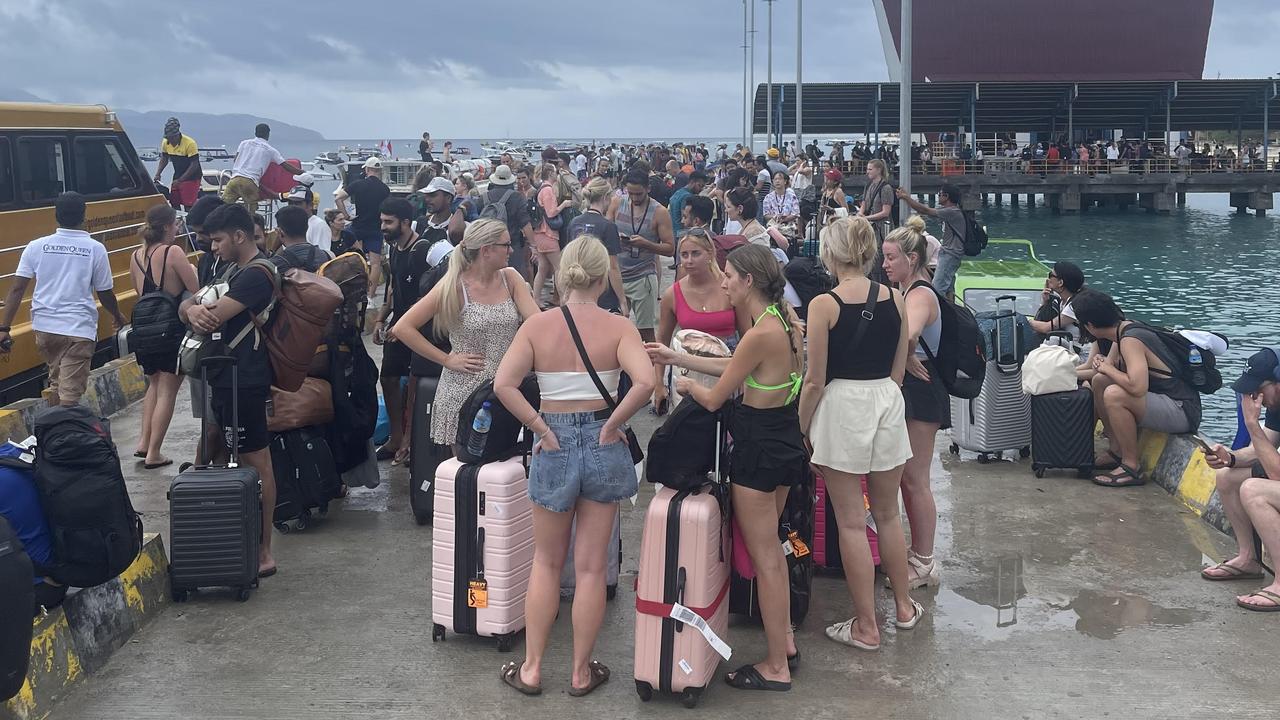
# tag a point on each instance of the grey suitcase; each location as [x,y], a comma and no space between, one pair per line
[999,418]
[567,580]
[215,521]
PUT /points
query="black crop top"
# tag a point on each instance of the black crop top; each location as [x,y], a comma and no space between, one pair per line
[873,358]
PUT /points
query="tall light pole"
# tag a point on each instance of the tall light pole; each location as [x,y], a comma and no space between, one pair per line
[751,78]
[799,82]
[746,106]
[768,81]
[904,108]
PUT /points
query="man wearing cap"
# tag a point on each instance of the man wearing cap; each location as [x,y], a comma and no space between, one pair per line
[954,228]
[502,190]
[253,156]
[1247,481]
[774,163]
[318,232]
[183,152]
[443,221]
[367,193]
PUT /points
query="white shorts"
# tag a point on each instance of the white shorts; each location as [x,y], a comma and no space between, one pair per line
[860,426]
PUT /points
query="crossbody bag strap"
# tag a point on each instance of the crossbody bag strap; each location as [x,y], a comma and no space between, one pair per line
[868,313]
[586,359]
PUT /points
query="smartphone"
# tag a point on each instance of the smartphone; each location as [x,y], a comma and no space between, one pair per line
[1202,444]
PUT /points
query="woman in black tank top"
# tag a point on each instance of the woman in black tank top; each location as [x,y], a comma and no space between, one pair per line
[852,414]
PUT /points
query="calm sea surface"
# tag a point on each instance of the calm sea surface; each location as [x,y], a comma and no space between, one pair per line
[1200,266]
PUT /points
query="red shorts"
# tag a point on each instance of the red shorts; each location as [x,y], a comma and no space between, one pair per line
[184,193]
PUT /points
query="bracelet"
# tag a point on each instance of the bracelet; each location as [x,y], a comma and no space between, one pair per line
[1231,461]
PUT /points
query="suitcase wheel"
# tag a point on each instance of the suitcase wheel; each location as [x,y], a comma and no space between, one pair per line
[983,458]
[955,449]
[1039,470]
[437,633]
[504,643]
[297,524]
[690,697]
[243,594]
[1025,452]
[179,596]
[644,690]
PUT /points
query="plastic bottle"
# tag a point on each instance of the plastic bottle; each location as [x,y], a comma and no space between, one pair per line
[480,431]
[1196,361]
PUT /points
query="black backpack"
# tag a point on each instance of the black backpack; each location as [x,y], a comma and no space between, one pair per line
[809,279]
[536,214]
[354,384]
[96,532]
[568,215]
[419,366]
[975,234]
[504,437]
[683,450]
[961,361]
[17,602]
[155,322]
[1203,376]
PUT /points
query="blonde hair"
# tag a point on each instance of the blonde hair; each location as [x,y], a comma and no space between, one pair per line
[479,234]
[583,261]
[910,239]
[597,190]
[884,169]
[548,171]
[702,238]
[848,241]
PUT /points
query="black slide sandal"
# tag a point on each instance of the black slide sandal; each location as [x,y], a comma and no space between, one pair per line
[748,677]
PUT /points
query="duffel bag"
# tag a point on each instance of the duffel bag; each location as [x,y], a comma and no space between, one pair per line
[1049,369]
[311,404]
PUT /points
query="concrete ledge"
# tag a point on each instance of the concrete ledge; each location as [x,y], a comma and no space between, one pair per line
[1172,462]
[111,388]
[79,637]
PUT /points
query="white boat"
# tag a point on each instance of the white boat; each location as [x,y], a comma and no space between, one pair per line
[329,158]
[149,154]
[215,154]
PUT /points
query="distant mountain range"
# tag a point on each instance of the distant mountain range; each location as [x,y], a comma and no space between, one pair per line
[208,129]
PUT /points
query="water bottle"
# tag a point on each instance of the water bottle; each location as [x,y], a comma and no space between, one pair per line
[480,431]
[1196,361]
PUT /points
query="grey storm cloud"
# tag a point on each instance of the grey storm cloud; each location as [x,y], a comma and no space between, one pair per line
[470,69]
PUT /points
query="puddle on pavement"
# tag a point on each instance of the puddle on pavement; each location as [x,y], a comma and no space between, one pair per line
[368,499]
[999,604]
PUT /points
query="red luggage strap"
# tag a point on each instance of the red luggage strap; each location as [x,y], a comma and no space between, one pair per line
[663,610]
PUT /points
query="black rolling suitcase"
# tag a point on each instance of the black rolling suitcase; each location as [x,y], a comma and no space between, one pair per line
[215,519]
[795,536]
[425,456]
[1062,431]
[306,477]
[17,601]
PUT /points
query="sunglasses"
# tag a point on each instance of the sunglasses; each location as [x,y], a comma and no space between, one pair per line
[1052,276]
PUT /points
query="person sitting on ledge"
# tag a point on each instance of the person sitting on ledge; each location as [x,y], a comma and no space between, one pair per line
[1247,482]
[1134,387]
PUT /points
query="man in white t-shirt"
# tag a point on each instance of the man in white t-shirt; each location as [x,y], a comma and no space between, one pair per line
[318,232]
[69,267]
[253,157]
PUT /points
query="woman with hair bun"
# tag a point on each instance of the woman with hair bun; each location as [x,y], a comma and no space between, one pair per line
[769,455]
[928,407]
[851,410]
[581,465]
[159,266]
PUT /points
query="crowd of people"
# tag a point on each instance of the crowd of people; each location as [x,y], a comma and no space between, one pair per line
[492,285]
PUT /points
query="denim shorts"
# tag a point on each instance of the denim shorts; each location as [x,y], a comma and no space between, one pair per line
[581,467]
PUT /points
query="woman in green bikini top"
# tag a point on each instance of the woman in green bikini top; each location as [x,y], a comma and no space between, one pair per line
[768,455]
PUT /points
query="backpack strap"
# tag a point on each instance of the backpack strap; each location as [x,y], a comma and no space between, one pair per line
[257,321]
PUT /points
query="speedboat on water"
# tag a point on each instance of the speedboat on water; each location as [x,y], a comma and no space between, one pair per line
[329,158]
[215,154]
[149,154]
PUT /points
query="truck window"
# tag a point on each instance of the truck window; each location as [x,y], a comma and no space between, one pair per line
[6,173]
[101,168]
[42,169]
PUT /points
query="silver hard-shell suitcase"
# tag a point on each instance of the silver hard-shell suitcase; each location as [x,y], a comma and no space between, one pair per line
[999,418]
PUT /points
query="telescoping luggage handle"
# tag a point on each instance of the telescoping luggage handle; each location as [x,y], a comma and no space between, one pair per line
[999,337]
[233,454]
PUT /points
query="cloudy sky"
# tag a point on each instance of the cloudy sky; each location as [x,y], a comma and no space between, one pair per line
[470,68]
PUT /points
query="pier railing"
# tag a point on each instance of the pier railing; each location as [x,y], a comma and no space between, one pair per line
[1045,167]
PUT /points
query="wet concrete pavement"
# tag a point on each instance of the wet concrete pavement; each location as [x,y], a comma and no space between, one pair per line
[1058,599]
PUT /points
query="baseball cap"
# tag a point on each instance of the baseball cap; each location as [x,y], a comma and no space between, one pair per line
[438,252]
[1262,367]
[299,192]
[833,175]
[306,179]
[438,184]
[373,162]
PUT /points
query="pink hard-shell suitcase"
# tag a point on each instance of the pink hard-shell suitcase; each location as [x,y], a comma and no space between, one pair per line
[826,537]
[482,549]
[684,558]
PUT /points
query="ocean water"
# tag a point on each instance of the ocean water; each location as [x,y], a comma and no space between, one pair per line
[1201,266]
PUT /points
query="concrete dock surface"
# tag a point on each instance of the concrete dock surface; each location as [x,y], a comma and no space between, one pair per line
[1058,599]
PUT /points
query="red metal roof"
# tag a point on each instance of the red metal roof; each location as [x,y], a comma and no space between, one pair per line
[1080,40]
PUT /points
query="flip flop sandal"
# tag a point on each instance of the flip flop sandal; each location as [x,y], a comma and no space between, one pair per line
[748,677]
[1127,477]
[268,573]
[510,675]
[599,676]
[1265,595]
[140,454]
[384,453]
[1110,465]
[843,633]
[915,619]
[153,466]
[793,661]
[1232,573]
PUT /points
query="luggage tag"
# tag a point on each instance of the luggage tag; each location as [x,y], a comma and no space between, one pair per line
[683,614]
[478,594]
[797,545]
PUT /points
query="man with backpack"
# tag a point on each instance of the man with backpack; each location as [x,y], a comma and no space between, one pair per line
[955,228]
[1140,383]
[20,505]
[69,267]
[295,251]
[503,202]
[249,294]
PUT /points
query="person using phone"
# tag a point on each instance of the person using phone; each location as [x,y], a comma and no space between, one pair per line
[1249,482]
